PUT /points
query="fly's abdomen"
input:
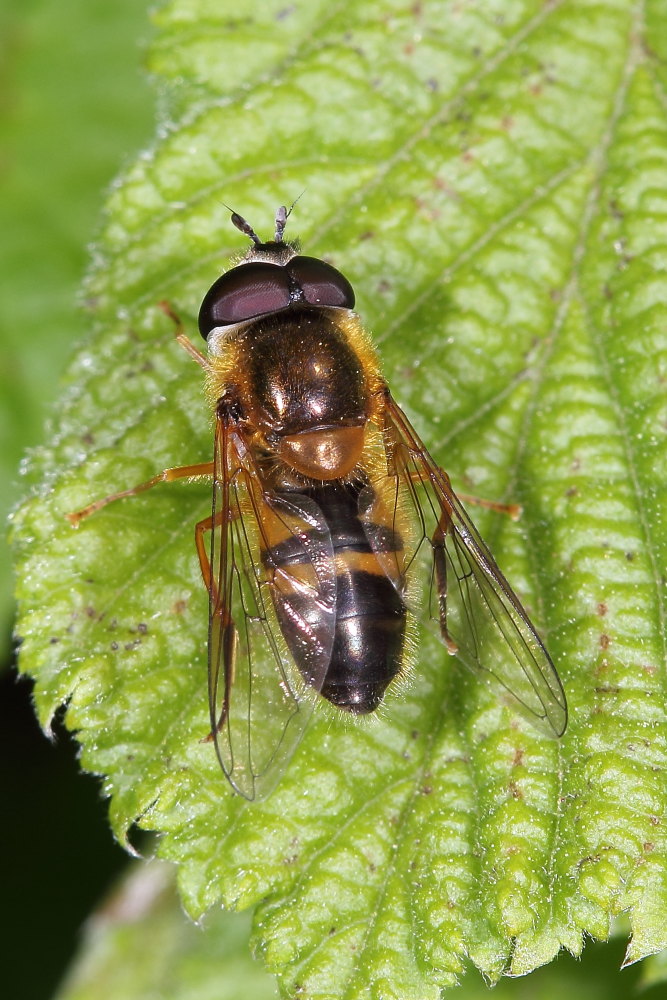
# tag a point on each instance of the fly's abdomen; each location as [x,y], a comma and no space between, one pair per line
[370,633]
[369,640]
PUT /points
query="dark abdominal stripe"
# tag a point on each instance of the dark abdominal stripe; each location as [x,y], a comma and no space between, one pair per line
[370,614]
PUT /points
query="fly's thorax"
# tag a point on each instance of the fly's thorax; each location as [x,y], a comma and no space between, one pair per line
[303,385]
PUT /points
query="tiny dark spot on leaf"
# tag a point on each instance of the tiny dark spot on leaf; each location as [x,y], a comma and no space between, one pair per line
[648,847]
[433,84]
[142,627]
[132,645]
[572,491]
[54,639]
[114,646]
[604,641]
[602,609]
[427,789]
[369,234]
[332,930]
[88,438]
[654,820]
[285,12]
[179,607]
[414,735]
[518,757]
[431,213]
[514,790]
[630,556]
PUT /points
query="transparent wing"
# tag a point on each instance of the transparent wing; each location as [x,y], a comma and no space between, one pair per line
[481,619]
[272,617]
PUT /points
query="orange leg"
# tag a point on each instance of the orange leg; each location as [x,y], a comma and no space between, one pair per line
[207,524]
[440,565]
[166,476]
[223,628]
[512,509]
[184,341]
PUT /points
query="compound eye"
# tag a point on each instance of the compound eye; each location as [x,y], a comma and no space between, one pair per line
[246,291]
[320,283]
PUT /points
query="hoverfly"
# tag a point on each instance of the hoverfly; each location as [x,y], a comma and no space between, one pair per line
[324,501]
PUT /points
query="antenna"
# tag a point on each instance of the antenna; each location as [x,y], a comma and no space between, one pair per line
[282,215]
[244,226]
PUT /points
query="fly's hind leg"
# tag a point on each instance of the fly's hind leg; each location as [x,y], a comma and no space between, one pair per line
[440,568]
[223,629]
[166,476]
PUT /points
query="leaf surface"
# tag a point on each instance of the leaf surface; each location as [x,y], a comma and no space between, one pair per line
[491,180]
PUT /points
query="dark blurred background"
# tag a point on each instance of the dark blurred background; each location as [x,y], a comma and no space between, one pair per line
[75,106]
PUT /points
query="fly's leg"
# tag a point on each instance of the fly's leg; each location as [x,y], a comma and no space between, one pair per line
[166,476]
[184,341]
[228,633]
[513,510]
[207,524]
[412,449]
[440,567]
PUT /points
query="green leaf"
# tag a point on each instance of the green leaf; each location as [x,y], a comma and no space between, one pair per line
[491,180]
[140,944]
